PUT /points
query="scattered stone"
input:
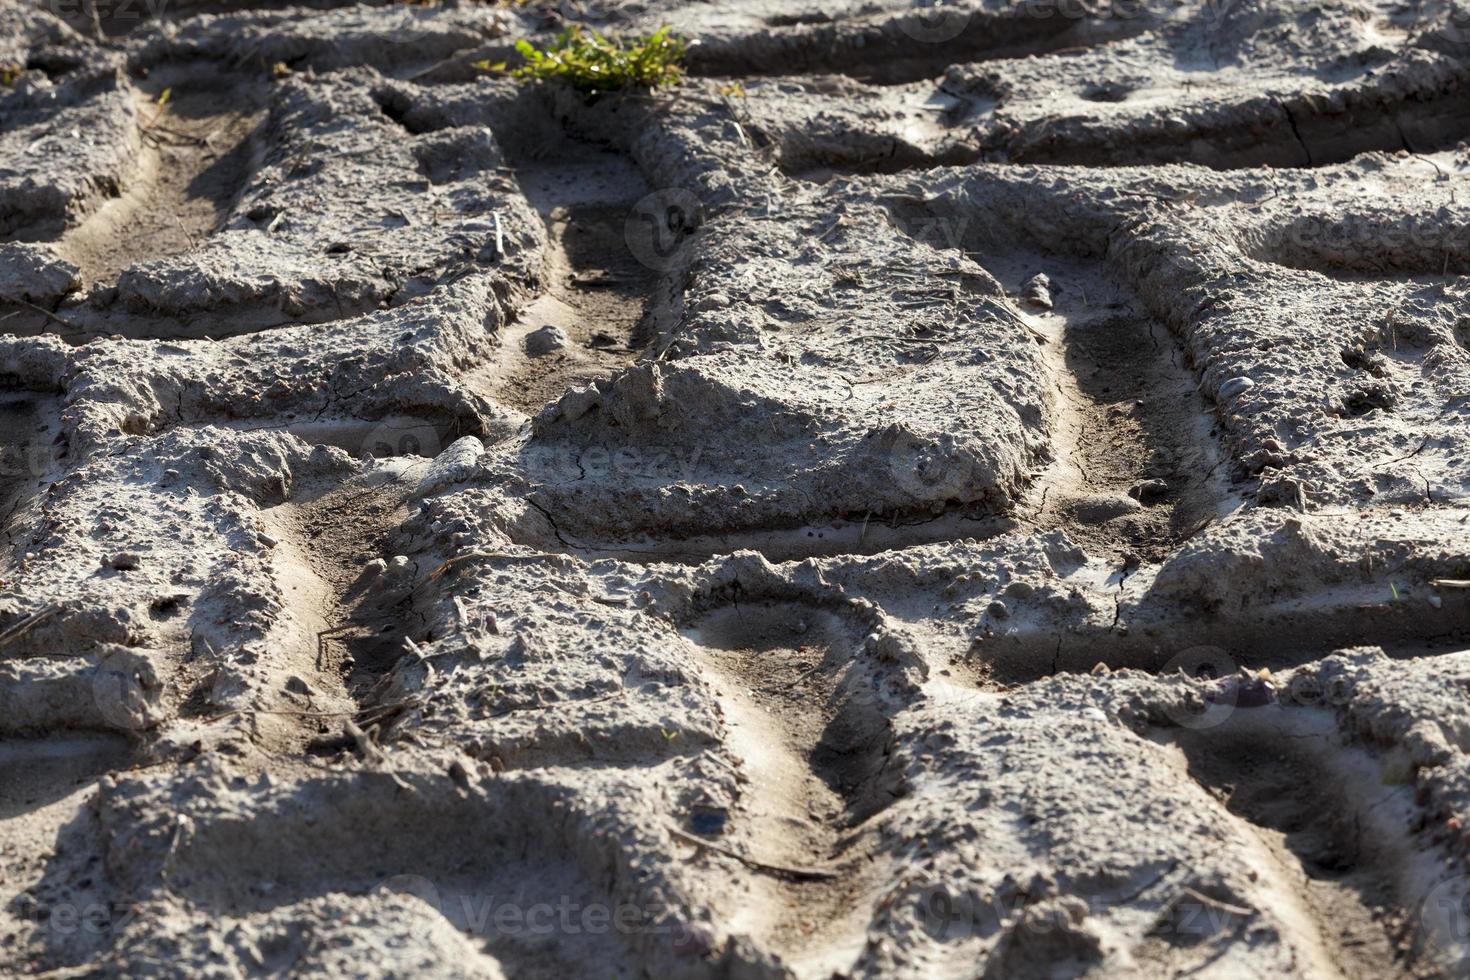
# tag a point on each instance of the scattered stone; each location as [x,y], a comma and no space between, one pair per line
[1234,388]
[1101,508]
[544,341]
[1037,291]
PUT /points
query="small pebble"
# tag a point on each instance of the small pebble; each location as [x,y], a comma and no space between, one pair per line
[1235,387]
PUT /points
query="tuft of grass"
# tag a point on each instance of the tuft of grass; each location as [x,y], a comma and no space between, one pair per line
[594,65]
[10,73]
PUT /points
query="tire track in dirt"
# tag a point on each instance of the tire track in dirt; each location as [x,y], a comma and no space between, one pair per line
[29,433]
[803,712]
[1137,468]
[933,136]
[903,48]
[868,535]
[1328,826]
[812,743]
[200,129]
[118,18]
[348,600]
[1136,465]
[923,93]
[38,771]
[591,316]
[456,856]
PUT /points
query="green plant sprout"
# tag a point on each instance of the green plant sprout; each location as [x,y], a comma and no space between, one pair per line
[594,65]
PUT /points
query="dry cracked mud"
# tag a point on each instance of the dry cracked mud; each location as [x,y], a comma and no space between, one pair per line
[965,489]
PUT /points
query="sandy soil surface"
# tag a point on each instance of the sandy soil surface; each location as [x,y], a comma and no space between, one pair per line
[951,490]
